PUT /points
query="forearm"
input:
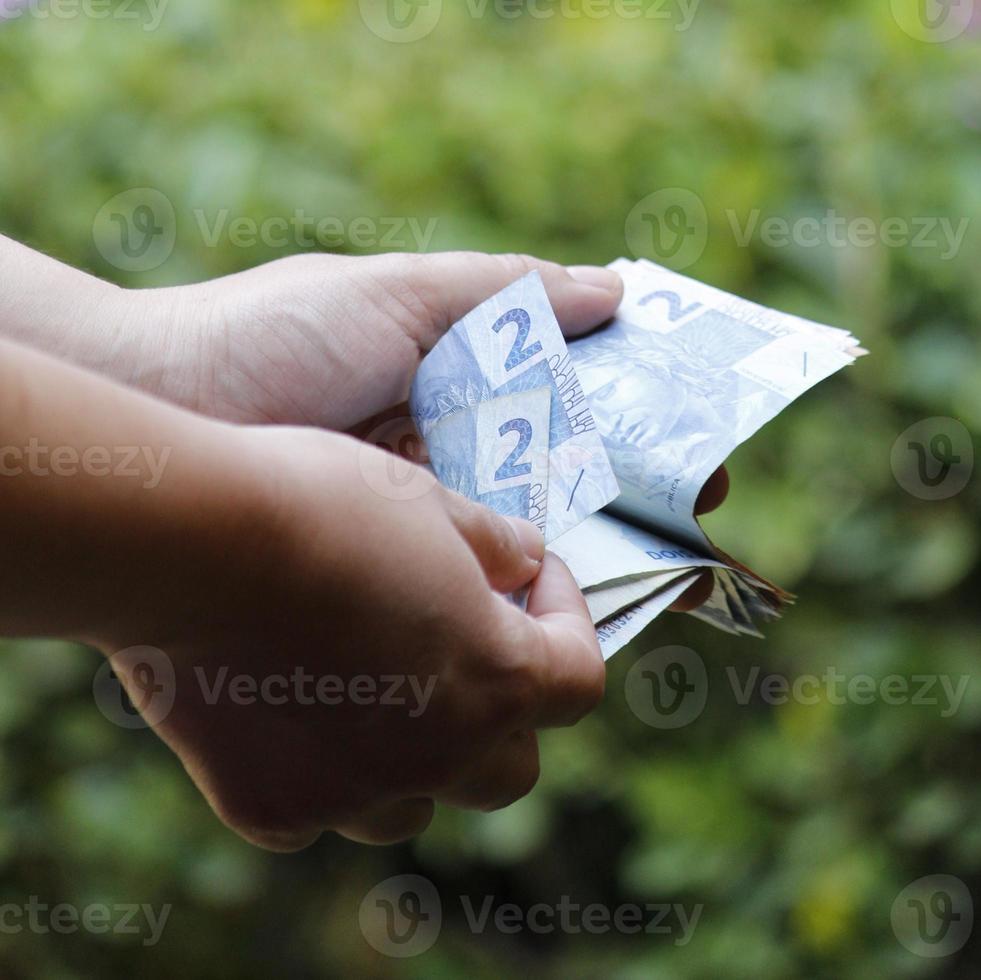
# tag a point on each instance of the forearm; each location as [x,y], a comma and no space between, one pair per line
[129,335]
[108,498]
[48,304]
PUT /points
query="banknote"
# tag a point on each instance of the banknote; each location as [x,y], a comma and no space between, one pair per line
[606,550]
[682,376]
[609,601]
[607,444]
[508,345]
[496,452]
[614,633]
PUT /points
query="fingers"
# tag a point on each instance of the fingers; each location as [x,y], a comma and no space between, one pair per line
[711,496]
[714,493]
[390,824]
[451,284]
[505,774]
[509,550]
[278,843]
[571,672]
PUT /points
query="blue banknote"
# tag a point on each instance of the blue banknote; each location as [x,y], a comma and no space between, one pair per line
[508,346]
[631,420]
[496,452]
[682,376]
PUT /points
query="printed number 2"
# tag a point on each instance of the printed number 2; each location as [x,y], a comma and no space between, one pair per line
[675,309]
[518,352]
[511,467]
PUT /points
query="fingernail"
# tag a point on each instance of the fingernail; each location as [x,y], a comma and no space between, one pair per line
[529,537]
[596,275]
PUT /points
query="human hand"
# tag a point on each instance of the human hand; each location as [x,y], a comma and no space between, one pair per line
[350,574]
[325,340]
[335,341]
[330,340]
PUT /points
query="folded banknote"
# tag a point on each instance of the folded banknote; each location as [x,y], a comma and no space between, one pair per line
[501,411]
[606,444]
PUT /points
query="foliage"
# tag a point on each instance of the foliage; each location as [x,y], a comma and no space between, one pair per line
[796,825]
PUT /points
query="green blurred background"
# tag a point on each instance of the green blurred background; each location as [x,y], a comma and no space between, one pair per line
[796,826]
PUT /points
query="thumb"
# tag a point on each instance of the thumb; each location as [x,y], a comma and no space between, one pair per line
[450,284]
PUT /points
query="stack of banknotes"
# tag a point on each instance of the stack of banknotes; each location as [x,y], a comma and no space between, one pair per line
[605,443]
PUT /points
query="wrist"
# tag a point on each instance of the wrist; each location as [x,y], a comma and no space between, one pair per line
[150,339]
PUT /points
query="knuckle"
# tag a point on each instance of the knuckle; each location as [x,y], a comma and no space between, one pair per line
[515,694]
[407,292]
[489,534]
[518,263]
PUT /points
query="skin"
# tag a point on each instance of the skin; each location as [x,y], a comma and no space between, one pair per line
[319,340]
[266,548]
